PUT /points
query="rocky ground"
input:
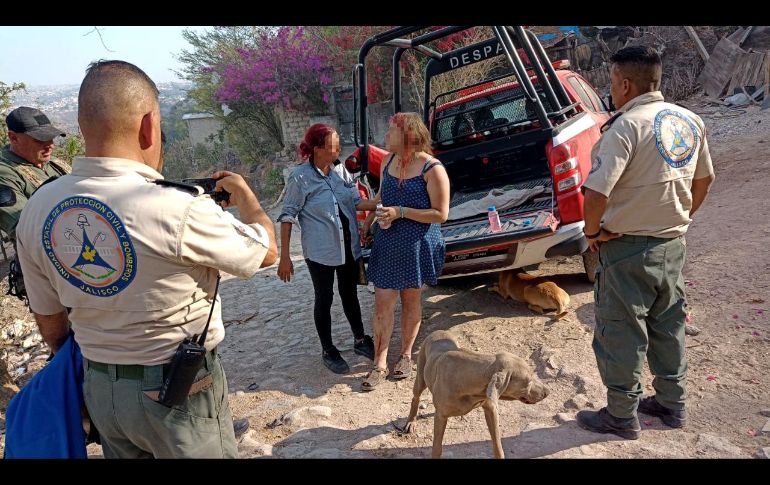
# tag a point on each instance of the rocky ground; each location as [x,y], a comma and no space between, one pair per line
[297,408]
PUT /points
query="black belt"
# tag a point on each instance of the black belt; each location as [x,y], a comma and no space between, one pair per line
[135,371]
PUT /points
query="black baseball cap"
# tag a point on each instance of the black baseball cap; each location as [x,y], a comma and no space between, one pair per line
[33,122]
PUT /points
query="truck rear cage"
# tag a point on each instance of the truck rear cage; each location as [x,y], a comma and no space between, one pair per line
[506,41]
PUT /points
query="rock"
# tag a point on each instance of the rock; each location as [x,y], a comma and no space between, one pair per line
[18,328]
[708,443]
[373,443]
[763,453]
[562,418]
[739,99]
[765,413]
[578,401]
[320,411]
[423,405]
[239,393]
[546,363]
[692,330]
[249,446]
[552,363]
[302,415]
[31,341]
[766,428]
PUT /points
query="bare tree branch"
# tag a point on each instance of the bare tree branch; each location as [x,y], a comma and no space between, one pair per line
[99,33]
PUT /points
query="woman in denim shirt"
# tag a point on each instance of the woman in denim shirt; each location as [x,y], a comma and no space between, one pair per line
[325,205]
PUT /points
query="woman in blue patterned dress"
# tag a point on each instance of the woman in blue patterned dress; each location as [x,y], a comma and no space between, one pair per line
[414,191]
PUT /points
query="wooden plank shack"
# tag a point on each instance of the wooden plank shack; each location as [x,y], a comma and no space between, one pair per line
[718,71]
[749,70]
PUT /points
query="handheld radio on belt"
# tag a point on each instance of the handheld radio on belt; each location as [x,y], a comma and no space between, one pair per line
[187,361]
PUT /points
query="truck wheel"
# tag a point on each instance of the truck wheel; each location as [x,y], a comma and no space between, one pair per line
[590,262]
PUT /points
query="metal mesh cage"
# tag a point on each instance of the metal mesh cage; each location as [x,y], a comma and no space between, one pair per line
[495,110]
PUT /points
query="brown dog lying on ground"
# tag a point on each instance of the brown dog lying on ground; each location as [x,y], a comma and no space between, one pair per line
[461,380]
[538,293]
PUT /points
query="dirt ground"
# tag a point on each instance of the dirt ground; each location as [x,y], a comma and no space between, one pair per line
[728,286]
[297,408]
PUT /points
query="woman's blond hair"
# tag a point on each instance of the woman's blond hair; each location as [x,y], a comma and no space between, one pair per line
[416,134]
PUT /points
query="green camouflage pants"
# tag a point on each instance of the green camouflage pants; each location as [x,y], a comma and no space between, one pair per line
[132,425]
[640,299]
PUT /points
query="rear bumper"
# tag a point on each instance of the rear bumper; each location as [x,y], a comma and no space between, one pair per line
[567,240]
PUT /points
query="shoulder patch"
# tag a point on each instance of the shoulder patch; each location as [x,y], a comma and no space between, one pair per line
[596,165]
[89,246]
[193,190]
[675,137]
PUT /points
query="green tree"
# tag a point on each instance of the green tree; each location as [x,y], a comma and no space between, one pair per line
[174,127]
[6,92]
[72,146]
[252,127]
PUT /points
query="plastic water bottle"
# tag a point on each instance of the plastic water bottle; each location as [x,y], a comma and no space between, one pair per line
[494,219]
[383,225]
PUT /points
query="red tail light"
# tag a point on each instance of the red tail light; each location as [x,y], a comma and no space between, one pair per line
[564,165]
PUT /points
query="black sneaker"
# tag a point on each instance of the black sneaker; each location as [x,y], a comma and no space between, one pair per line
[672,418]
[334,361]
[240,426]
[602,421]
[365,347]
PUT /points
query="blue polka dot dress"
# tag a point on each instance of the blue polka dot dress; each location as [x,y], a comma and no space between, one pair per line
[408,253]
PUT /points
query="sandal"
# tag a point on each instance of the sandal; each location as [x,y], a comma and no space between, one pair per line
[403,368]
[373,378]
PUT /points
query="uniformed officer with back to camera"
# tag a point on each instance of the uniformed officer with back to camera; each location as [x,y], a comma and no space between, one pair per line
[651,172]
[138,263]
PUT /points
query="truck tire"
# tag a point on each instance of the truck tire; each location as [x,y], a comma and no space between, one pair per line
[590,262]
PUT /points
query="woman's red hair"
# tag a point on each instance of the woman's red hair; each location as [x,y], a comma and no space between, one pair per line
[315,136]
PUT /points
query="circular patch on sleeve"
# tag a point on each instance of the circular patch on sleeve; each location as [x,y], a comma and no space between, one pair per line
[676,137]
[596,165]
[89,246]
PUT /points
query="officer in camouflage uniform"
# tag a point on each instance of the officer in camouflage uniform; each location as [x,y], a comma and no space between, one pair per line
[651,170]
[25,163]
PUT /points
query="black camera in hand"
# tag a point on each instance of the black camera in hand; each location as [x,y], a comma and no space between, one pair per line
[208,185]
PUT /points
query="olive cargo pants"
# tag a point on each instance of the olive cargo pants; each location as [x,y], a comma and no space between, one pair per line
[132,425]
[640,300]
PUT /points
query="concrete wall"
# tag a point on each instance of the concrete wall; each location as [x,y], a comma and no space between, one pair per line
[201,128]
[293,125]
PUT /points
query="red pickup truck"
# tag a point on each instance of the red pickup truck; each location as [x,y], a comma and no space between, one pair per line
[528,133]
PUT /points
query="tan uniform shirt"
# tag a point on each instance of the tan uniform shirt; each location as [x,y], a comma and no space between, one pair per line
[645,164]
[137,262]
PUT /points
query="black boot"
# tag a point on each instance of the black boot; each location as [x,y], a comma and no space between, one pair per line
[602,421]
[240,426]
[334,361]
[364,347]
[672,418]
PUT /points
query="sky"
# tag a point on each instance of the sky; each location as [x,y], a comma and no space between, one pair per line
[59,55]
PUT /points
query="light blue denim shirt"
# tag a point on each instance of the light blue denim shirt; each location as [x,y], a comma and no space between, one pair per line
[310,201]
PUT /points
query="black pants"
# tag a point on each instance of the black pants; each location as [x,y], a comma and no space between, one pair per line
[323,282]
